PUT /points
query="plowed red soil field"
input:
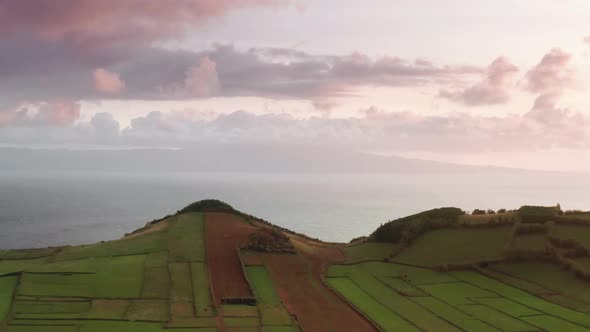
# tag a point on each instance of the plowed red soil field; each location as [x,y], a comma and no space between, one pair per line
[298,279]
[225,234]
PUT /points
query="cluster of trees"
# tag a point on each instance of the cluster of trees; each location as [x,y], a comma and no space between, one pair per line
[208,205]
[405,230]
[488,211]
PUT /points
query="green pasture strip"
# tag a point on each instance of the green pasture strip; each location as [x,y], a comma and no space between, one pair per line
[186,238]
[414,275]
[550,276]
[97,326]
[554,324]
[29,253]
[148,310]
[400,305]
[401,287]
[523,297]
[156,278]
[446,246]
[339,270]
[371,308]
[280,329]
[7,289]
[507,306]
[517,282]
[239,310]
[87,265]
[138,245]
[274,315]
[262,285]
[107,309]
[50,299]
[25,328]
[181,289]
[243,329]
[46,307]
[579,233]
[456,293]
[241,322]
[121,277]
[49,316]
[422,276]
[192,322]
[201,290]
[272,311]
[368,251]
[496,318]
[14,266]
[453,315]
[568,302]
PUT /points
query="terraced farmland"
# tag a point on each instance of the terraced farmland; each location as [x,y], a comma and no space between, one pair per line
[443,272]
[423,300]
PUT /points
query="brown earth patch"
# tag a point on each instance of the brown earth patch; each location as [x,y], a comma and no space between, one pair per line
[225,234]
[298,279]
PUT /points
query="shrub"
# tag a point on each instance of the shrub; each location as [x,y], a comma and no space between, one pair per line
[478,211]
[502,211]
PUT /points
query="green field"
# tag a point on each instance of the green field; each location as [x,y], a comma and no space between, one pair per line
[574,232]
[549,276]
[454,246]
[536,242]
[120,285]
[368,251]
[467,300]
[7,287]
[271,308]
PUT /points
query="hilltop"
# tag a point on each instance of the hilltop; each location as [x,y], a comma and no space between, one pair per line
[210,267]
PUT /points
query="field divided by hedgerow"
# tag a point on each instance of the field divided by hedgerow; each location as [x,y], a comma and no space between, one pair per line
[457,301]
[145,282]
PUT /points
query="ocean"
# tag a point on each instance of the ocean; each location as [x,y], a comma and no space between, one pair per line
[52,209]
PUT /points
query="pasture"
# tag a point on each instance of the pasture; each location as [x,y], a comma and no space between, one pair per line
[455,301]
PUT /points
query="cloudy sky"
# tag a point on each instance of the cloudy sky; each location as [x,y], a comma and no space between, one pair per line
[479,82]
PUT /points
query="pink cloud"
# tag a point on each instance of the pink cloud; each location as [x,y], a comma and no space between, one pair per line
[201,81]
[56,113]
[89,21]
[494,89]
[587,40]
[552,74]
[107,82]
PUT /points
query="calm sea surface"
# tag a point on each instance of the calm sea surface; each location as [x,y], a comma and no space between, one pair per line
[59,209]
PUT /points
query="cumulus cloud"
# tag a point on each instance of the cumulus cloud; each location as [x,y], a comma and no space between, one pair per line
[57,113]
[493,89]
[107,82]
[545,126]
[552,74]
[200,80]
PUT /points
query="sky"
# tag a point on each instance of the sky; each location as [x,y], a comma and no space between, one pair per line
[475,82]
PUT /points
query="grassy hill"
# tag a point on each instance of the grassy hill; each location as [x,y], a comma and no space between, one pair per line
[202,270]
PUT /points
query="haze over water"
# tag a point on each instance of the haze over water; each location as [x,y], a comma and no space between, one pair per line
[62,209]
